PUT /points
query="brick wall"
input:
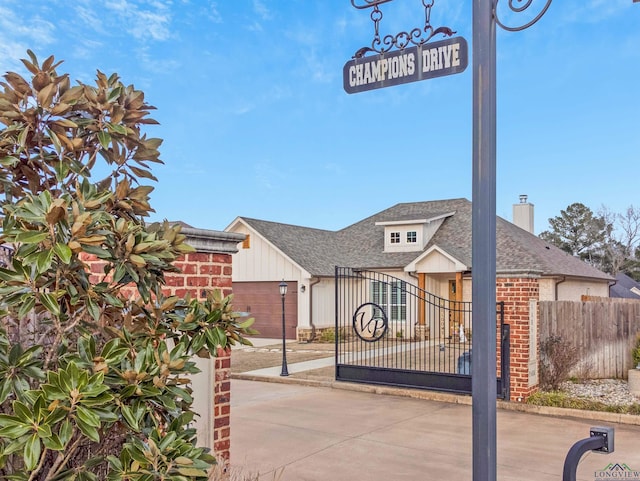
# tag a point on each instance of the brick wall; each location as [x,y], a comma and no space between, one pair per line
[206,269]
[200,272]
[222,406]
[516,293]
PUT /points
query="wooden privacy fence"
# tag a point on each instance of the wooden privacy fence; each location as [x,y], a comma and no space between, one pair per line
[604,331]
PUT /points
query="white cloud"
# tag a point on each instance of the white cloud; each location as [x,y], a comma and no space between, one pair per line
[18,33]
[213,13]
[261,10]
[255,27]
[242,109]
[151,21]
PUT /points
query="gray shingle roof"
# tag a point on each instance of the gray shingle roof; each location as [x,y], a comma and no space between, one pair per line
[622,287]
[362,244]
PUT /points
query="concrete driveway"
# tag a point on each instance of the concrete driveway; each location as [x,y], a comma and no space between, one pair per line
[324,433]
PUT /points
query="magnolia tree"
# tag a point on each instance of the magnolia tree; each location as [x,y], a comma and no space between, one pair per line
[94,377]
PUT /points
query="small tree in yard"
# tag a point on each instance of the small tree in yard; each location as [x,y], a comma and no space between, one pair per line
[94,377]
[557,358]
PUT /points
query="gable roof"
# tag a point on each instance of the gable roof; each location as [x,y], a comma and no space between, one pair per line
[625,287]
[362,244]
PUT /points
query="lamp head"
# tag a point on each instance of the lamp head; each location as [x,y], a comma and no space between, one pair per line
[283,288]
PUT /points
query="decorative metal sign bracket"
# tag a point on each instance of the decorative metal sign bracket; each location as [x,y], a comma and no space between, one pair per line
[519,6]
[417,36]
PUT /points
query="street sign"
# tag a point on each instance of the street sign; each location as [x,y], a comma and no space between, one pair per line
[422,62]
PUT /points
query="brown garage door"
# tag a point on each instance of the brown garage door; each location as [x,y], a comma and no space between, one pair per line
[263,302]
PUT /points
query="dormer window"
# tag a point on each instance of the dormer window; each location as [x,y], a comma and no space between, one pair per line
[410,235]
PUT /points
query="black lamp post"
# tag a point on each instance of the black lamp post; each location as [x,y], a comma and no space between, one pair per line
[283,292]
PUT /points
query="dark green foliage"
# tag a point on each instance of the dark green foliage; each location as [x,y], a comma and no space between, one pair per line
[94,377]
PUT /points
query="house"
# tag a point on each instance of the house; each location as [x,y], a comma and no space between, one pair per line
[427,244]
[625,287]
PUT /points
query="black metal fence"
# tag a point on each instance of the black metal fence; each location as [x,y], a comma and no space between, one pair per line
[389,331]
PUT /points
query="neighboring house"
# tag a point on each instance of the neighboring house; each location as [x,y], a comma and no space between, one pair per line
[625,287]
[424,243]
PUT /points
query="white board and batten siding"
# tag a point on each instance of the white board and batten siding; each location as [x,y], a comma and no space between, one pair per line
[259,261]
[323,306]
[262,261]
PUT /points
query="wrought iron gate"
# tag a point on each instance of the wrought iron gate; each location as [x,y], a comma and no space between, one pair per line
[389,331]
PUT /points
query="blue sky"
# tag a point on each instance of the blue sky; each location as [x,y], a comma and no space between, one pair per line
[256,123]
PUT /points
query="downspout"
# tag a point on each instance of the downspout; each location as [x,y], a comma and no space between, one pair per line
[564,278]
[313,326]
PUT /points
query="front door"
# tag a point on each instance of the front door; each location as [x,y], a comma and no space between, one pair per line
[454,312]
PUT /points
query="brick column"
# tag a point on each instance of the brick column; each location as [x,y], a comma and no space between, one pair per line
[201,271]
[516,293]
[210,268]
[222,406]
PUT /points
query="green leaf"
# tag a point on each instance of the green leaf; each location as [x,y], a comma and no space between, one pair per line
[180,393]
[192,472]
[88,417]
[54,443]
[113,300]
[246,324]
[63,252]
[5,390]
[31,237]
[23,413]
[93,309]
[89,431]
[130,419]
[114,94]
[8,161]
[14,431]
[44,260]
[32,450]
[50,302]
[66,430]
[44,431]
[104,138]
[28,303]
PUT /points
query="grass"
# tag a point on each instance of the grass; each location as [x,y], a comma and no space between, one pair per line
[563,400]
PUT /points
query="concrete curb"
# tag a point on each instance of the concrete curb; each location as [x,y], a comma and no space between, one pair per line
[449,398]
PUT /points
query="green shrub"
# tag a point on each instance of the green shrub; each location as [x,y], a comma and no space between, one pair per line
[94,381]
[635,352]
[563,400]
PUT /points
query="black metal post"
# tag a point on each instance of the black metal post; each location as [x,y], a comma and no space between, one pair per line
[600,440]
[483,244]
[284,371]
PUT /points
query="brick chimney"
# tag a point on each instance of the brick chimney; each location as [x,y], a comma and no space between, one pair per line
[523,214]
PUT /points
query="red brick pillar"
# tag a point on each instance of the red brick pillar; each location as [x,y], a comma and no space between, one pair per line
[200,272]
[222,406]
[206,269]
[517,294]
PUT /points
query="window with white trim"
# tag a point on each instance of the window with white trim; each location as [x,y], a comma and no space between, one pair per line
[395,237]
[412,237]
[392,297]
